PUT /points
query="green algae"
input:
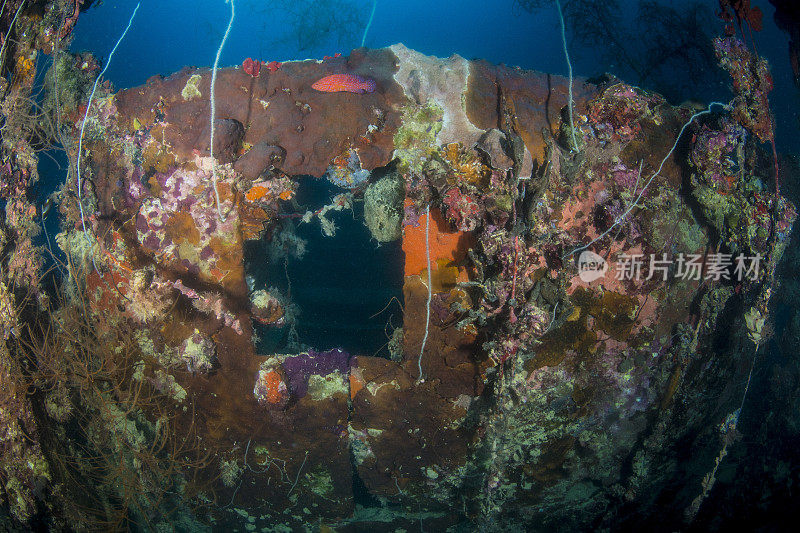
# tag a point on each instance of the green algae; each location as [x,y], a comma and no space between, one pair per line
[415,140]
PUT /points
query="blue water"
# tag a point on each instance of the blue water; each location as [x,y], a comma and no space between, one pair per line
[169,35]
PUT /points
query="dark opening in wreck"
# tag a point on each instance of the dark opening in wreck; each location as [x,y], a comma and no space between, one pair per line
[343,290]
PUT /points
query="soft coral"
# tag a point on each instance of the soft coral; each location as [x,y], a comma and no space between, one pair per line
[752,17]
[742,11]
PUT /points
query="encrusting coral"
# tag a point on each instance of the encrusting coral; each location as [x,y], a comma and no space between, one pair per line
[566,278]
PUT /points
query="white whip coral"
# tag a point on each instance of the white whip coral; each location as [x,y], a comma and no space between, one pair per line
[420,379]
[214,110]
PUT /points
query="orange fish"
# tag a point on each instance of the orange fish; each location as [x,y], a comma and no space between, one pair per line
[350,83]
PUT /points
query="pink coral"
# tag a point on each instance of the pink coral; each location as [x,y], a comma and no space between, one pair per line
[251,67]
[462,210]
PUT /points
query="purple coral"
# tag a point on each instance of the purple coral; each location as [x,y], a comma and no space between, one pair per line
[299,368]
[411,215]
[626,178]
[712,150]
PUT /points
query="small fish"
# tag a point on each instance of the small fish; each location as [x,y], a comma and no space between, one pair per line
[350,83]
[48,205]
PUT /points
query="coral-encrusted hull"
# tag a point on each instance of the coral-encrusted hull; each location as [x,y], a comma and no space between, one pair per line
[535,380]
